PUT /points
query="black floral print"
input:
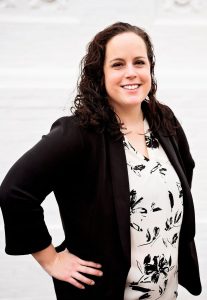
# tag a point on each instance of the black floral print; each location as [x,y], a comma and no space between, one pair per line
[156,211]
[173,222]
[157,266]
[151,141]
[153,269]
[171,199]
[154,208]
[179,189]
[137,169]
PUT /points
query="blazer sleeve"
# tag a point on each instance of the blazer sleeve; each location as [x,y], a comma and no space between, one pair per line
[30,180]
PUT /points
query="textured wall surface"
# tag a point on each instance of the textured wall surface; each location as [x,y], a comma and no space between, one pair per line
[41,44]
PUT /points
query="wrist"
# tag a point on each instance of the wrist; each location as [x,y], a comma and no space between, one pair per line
[46,257]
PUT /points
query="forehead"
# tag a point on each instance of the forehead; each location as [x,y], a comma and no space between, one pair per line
[127,43]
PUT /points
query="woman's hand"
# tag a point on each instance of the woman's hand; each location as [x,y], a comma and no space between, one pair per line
[67,267]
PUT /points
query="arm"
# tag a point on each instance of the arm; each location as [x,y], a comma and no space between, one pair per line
[27,184]
[66,266]
[23,190]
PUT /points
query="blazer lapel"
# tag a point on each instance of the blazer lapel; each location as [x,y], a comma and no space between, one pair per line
[170,146]
[120,184]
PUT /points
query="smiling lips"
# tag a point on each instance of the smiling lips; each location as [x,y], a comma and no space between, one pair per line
[131,86]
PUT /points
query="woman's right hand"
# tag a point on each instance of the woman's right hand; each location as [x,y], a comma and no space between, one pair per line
[67,267]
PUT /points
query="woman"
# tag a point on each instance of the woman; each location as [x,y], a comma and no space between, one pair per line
[121,171]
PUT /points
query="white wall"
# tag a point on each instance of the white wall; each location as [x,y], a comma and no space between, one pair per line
[41,44]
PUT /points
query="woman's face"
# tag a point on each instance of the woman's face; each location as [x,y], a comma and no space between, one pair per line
[126,71]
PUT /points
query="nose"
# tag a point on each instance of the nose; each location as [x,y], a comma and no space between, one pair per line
[131,71]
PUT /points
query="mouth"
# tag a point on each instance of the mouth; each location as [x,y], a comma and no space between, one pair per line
[131,86]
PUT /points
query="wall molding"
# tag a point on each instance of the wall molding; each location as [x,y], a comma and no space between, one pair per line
[182,10]
[184,5]
[34,4]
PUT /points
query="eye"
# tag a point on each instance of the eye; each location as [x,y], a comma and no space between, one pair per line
[117,65]
[139,62]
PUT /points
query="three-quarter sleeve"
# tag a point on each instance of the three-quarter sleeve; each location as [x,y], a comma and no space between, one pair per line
[29,181]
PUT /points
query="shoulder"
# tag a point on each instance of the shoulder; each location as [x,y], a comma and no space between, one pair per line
[65,125]
[178,132]
[178,129]
[181,140]
[64,140]
[159,116]
[65,130]
[169,118]
[68,134]
[166,111]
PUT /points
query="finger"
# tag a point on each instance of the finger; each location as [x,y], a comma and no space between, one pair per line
[88,270]
[74,282]
[89,263]
[83,279]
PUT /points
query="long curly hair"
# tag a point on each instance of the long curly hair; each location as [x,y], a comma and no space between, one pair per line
[91,105]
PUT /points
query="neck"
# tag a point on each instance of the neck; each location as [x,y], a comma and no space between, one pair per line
[131,117]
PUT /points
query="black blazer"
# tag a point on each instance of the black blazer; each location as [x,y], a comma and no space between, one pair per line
[88,174]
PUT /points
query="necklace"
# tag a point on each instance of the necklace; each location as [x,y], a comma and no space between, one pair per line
[126,131]
[136,132]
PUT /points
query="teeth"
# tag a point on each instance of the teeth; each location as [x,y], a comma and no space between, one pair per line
[131,86]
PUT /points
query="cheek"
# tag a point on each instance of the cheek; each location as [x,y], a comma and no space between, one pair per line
[112,77]
[147,79]
[111,80]
[146,76]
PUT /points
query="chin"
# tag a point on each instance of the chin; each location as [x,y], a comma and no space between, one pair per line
[135,101]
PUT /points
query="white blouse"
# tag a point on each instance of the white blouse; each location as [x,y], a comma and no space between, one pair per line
[156,210]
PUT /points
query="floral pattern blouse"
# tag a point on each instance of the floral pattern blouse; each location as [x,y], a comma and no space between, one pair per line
[156,210]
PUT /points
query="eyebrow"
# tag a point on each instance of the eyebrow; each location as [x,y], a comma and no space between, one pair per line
[137,57]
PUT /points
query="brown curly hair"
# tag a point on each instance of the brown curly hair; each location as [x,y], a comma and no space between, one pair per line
[91,105]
